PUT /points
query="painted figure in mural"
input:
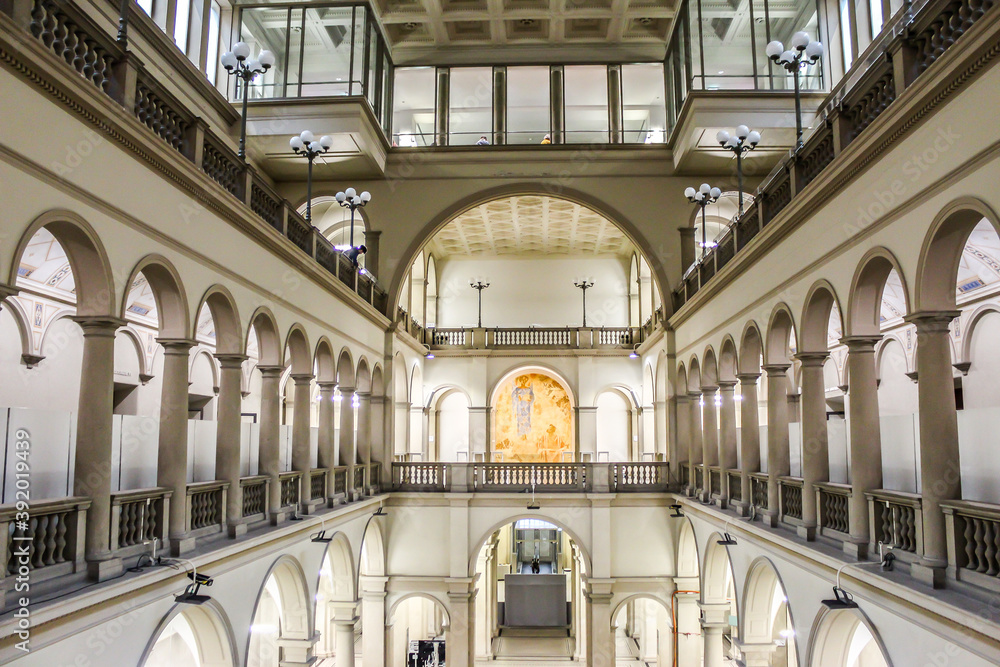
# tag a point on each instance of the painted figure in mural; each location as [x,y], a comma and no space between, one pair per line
[523,397]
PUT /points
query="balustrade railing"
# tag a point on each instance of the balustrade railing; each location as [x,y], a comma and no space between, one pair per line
[685,474]
[376,476]
[449,337]
[420,476]
[715,482]
[640,477]
[699,482]
[49,542]
[359,478]
[290,481]
[530,337]
[525,476]
[735,486]
[139,517]
[616,336]
[340,481]
[833,503]
[255,497]
[896,520]
[758,490]
[526,337]
[973,530]
[913,40]
[790,497]
[317,483]
[206,507]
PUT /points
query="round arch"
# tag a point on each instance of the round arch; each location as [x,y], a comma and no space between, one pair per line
[821,302]
[378,381]
[226,318]
[764,600]
[390,616]
[442,391]
[294,607]
[541,368]
[297,351]
[682,381]
[694,382]
[372,557]
[21,320]
[864,305]
[970,328]
[265,328]
[688,560]
[717,571]
[323,364]
[638,596]
[203,632]
[336,578]
[345,370]
[780,334]
[168,291]
[477,544]
[751,349]
[363,377]
[629,229]
[846,638]
[709,368]
[728,360]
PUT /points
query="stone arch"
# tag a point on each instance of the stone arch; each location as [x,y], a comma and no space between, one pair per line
[265,328]
[171,301]
[345,369]
[400,380]
[780,330]
[970,328]
[834,641]
[323,363]
[363,377]
[371,559]
[887,342]
[140,353]
[709,368]
[390,616]
[208,637]
[21,322]
[751,349]
[297,350]
[581,197]
[864,306]
[717,571]
[441,391]
[92,275]
[682,381]
[638,596]
[543,368]
[820,304]
[288,581]
[416,390]
[761,590]
[942,251]
[336,579]
[378,381]
[694,375]
[687,551]
[728,360]
[515,515]
[192,364]
[661,378]
[226,318]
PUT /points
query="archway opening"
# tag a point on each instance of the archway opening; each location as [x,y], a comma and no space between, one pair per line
[767,618]
[193,637]
[418,628]
[281,613]
[844,638]
[643,633]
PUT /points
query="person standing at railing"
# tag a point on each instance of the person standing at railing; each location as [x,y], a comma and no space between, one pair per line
[483,141]
[354,253]
[546,140]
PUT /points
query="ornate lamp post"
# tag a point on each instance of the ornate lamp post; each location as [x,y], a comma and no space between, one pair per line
[350,198]
[740,144]
[703,196]
[584,284]
[306,144]
[236,62]
[479,284]
[804,51]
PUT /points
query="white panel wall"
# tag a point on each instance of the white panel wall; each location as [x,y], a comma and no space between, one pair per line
[135,447]
[285,447]
[977,438]
[836,435]
[249,448]
[900,452]
[51,434]
[202,435]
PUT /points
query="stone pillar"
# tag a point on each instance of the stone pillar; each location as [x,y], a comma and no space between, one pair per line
[689,642]
[688,253]
[714,619]
[586,431]
[499,105]
[326,454]
[297,652]
[815,450]
[683,436]
[269,457]
[364,431]
[601,636]
[377,439]
[344,628]
[348,456]
[92,471]
[401,426]
[940,475]
[749,435]
[172,450]
[696,452]
[727,433]
[756,655]
[227,439]
[301,415]
[865,436]
[557,110]
[778,462]
[442,106]
[373,622]
[480,440]
[710,436]
[460,635]
[615,103]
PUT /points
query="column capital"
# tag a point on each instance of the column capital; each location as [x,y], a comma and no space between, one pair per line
[776,369]
[750,378]
[481,408]
[727,385]
[363,395]
[344,389]
[6,291]
[302,378]
[686,231]
[816,359]
[176,345]
[709,388]
[271,371]
[230,360]
[585,409]
[326,385]
[714,614]
[694,395]
[932,321]
[860,344]
[681,398]
[99,325]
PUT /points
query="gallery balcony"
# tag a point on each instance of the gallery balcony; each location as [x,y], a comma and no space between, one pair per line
[516,477]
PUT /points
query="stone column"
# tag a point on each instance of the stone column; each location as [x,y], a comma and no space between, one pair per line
[348,455]
[586,432]
[301,415]
[687,247]
[601,636]
[92,471]
[344,628]
[727,434]
[815,450]
[269,457]
[373,621]
[227,439]
[172,450]
[683,436]
[696,452]
[460,635]
[442,106]
[480,440]
[689,642]
[710,436]
[377,439]
[499,105]
[866,437]
[940,475]
[778,463]
[364,432]
[749,435]
[557,112]
[615,103]
[714,619]
[326,454]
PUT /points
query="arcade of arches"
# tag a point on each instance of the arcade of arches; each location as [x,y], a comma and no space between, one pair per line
[557,413]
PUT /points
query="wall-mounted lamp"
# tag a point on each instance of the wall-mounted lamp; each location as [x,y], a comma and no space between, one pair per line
[191,593]
[676,509]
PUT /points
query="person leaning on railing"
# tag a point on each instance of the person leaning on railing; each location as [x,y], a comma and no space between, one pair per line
[354,253]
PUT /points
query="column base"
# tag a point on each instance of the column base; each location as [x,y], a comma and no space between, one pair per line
[102,570]
[857,550]
[720,502]
[312,505]
[279,517]
[770,518]
[932,575]
[742,508]
[807,533]
[181,545]
[237,529]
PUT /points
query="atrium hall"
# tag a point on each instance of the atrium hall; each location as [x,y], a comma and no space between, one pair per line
[445,333]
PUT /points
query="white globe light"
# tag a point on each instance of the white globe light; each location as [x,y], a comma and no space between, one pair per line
[255,66]
[814,50]
[229,60]
[356,201]
[742,131]
[306,136]
[341,196]
[786,57]
[698,196]
[716,193]
[241,50]
[705,188]
[315,147]
[754,138]
[350,192]
[326,141]
[296,143]
[722,137]
[266,59]
[800,40]
[689,193]
[774,49]
[733,142]
[366,196]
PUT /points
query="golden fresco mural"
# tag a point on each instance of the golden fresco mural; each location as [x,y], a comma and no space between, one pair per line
[533,419]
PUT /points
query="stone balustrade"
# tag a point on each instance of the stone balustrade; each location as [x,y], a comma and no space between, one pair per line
[206,508]
[472,338]
[896,520]
[139,518]
[50,543]
[290,489]
[525,477]
[973,533]
[758,490]
[790,500]
[255,489]
[833,503]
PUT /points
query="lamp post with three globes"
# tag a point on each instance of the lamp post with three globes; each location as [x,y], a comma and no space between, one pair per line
[740,144]
[703,196]
[306,144]
[238,62]
[805,51]
[350,198]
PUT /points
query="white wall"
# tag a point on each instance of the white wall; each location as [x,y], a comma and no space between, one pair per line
[552,300]
[452,427]
[613,426]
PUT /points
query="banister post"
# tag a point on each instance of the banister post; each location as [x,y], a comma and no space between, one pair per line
[125,80]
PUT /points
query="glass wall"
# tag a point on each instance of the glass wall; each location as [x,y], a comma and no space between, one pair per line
[413,106]
[586,104]
[528,117]
[470,112]
[643,113]
[319,52]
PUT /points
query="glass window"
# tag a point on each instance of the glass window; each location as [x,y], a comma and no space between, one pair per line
[264,28]
[385,101]
[358,67]
[724,48]
[413,106]
[212,57]
[875,9]
[373,60]
[770,25]
[527,104]
[326,51]
[293,69]
[586,103]
[470,112]
[181,21]
[694,58]
[643,111]
[196,29]
[845,34]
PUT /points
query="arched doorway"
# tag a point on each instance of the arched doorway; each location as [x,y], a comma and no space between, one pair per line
[280,629]
[643,633]
[419,621]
